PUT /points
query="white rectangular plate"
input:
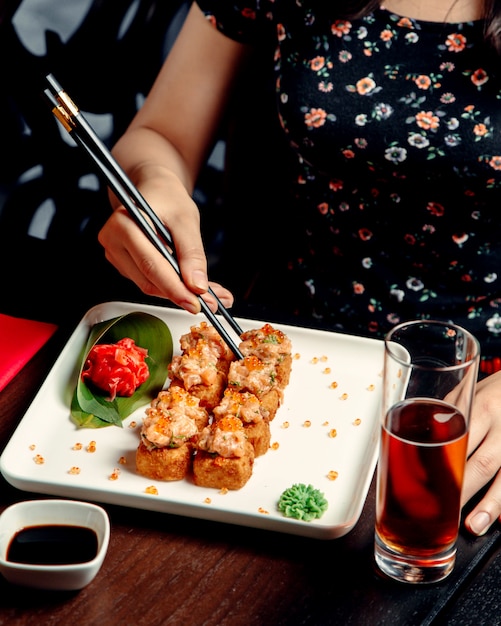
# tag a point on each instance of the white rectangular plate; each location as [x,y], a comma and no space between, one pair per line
[324,434]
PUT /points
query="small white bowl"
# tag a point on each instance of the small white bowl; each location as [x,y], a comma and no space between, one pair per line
[31,513]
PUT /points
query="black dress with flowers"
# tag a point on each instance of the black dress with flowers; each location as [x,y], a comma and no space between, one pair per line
[395,125]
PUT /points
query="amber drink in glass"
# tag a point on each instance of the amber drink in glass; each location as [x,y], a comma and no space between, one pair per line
[430,371]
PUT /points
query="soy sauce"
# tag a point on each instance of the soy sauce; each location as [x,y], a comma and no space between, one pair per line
[53,544]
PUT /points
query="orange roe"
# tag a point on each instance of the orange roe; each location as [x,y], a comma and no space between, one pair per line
[236,399]
[230,424]
[268,330]
[253,363]
[197,350]
[179,394]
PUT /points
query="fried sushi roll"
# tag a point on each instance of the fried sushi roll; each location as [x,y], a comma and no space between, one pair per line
[210,335]
[175,401]
[224,458]
[203,365]
[247,407]
[166,464]
[200,372]
[270,346]
[168,435]
[258,377]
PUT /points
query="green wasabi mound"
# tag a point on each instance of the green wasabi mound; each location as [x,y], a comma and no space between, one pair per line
[302,502]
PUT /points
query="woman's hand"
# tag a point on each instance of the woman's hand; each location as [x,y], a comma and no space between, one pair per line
[135,257]
[484,462]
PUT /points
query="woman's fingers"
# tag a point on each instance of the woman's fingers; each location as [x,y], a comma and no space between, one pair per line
[129,250]
[484,461]
[224,296]
[487,511]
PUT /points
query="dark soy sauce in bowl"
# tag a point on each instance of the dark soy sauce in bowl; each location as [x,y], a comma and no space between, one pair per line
[53,544]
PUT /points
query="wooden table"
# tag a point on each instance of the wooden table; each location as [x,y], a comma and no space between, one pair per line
[162,569]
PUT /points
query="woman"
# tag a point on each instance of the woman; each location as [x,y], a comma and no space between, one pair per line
[391,117]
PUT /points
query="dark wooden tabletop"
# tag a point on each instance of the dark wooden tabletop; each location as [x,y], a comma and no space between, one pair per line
[164,569]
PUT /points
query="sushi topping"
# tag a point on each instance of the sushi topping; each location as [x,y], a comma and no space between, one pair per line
[171,419]
[196,366]
[244,405]
[225,437]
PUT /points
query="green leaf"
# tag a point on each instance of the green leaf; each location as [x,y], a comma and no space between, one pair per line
[91,408]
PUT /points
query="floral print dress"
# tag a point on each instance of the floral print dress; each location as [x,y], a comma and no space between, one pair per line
[396,128]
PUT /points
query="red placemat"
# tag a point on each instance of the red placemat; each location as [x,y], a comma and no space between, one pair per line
[20,339]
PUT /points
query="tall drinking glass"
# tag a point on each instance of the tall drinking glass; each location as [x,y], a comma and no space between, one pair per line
[430,371]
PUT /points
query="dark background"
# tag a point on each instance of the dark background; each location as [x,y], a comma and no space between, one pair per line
[52,204]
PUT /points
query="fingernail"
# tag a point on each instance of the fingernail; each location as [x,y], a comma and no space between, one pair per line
[480,523]
[200,280]
[192,306]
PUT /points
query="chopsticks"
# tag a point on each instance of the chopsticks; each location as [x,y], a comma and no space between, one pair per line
[73,121]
